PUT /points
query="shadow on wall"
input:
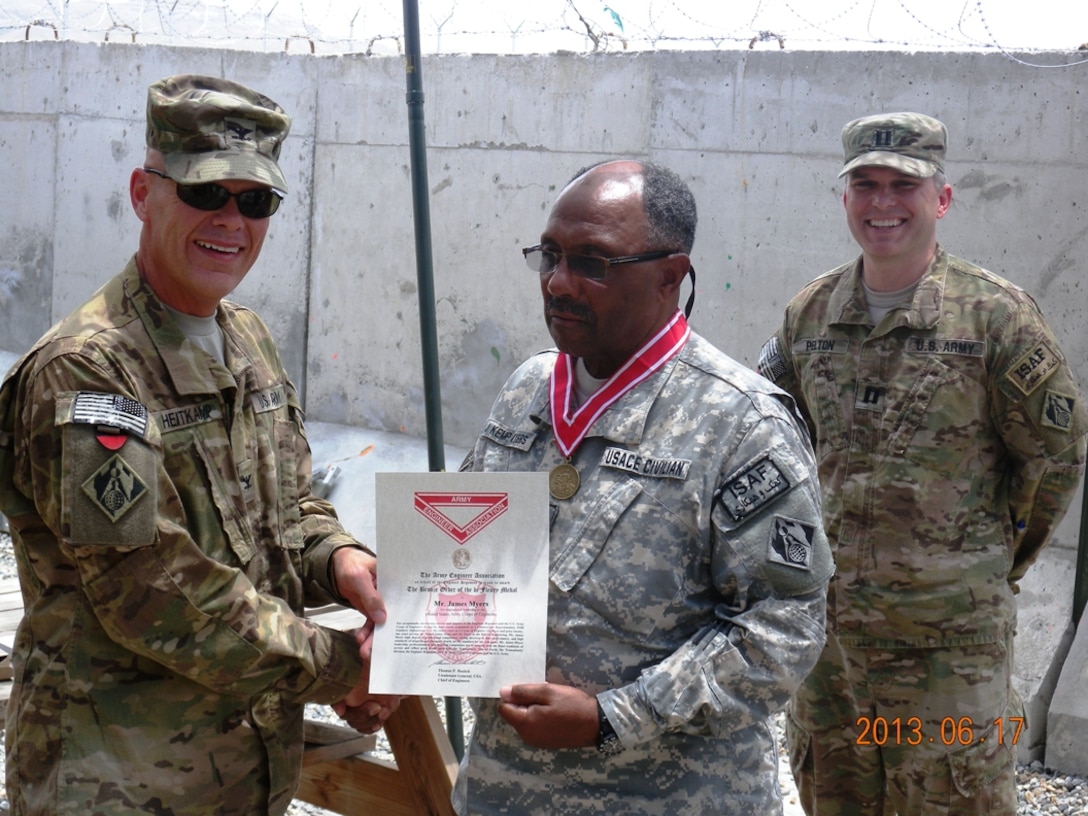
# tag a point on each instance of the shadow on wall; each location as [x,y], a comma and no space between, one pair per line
[25,288]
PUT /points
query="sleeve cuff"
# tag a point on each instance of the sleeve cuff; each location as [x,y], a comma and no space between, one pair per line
[631,719]
[330,576]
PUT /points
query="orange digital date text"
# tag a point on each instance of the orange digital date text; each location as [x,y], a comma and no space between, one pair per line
[879,731]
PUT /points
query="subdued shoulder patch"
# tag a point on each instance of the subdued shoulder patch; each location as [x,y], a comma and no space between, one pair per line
[771,365]
[114,488]
[110,411]
[1032,369]
[791,543]
[743,493]
[1058,410]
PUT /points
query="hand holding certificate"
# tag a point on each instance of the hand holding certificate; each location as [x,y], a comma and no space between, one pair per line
[463,568]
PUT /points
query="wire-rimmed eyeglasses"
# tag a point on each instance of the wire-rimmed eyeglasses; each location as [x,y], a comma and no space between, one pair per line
[591,267]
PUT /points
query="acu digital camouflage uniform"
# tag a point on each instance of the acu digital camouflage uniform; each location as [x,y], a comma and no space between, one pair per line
[167,542]
[950,439]
[687,582]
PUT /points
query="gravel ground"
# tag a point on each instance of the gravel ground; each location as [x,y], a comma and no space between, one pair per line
[1041,791]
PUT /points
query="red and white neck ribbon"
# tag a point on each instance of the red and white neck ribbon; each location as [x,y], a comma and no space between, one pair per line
[571,426]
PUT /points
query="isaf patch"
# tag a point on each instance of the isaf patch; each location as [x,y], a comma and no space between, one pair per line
[791,543]
[1033,368]
[745,492]
[1058,410]
[114,488]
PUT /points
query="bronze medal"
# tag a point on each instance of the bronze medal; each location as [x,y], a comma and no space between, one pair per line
[563,481]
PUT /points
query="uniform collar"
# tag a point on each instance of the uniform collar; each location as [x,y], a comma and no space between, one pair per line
[189,372]
[847,304]
[625,421]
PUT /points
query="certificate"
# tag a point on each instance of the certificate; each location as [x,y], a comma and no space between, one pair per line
[463,569]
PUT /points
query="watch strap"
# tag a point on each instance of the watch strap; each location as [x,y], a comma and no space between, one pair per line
[608,741]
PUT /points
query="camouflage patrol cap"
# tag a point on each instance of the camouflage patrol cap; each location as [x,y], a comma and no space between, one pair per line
[212,129]
[911,143]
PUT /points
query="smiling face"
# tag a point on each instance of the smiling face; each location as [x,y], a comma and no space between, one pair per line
[192,258]
[605,322]
[893,217]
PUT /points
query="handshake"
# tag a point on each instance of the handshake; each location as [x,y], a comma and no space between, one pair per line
[363,711]
[354,574]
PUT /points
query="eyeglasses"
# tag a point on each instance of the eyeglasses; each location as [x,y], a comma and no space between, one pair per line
[210,196]
[590,267]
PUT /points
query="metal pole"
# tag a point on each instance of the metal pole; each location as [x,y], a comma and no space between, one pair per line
[432,391]
[1080,582]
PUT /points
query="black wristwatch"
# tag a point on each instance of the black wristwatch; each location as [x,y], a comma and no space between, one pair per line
[608,742]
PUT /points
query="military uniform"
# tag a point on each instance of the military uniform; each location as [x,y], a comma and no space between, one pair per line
[687,580]
[950,439]
[167,542]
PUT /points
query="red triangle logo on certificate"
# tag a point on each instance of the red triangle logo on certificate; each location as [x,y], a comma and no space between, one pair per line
[461,515]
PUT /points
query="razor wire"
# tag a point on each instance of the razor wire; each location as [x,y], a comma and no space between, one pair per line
[1055,29]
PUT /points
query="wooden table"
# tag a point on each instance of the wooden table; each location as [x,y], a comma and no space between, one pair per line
[345,780]
[11,611]
[338,772]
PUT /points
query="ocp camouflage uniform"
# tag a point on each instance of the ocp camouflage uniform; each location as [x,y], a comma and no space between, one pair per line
[167,541]
[687,581]
[950,441]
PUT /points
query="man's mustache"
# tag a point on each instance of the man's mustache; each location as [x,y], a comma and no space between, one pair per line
[567,306]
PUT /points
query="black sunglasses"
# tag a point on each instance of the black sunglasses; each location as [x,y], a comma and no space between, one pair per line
[210,196]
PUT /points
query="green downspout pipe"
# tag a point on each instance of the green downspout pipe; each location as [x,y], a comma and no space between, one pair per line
[432,390]
[1080,584]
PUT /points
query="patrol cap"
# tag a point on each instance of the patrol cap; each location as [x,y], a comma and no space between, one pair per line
[213,129]
[911,143]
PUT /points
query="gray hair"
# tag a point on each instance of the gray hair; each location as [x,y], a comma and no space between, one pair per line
[670,208]
[668,203]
